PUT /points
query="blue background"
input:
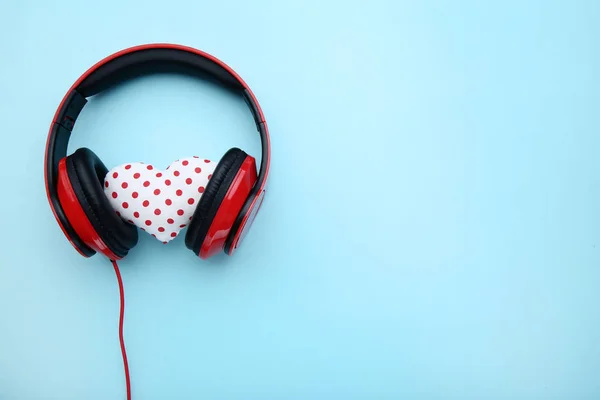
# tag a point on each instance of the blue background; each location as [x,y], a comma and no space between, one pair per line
[432,229]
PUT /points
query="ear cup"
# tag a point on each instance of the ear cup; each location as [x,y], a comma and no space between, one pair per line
[213,195]
[86,173]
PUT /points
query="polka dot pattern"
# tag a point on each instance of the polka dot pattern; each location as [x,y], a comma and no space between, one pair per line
[158,202]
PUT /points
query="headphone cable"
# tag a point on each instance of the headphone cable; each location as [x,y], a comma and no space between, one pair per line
[121,317]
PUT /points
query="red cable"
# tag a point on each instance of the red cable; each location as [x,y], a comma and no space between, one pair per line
[121,317]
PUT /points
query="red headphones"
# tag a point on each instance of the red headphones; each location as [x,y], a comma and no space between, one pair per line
[74,182]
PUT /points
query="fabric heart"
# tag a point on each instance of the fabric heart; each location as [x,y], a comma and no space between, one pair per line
[161,203]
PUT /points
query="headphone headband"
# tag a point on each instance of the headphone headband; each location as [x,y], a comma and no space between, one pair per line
[133,62]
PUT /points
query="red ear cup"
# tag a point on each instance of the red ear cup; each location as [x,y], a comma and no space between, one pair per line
[221,202]
[80,179]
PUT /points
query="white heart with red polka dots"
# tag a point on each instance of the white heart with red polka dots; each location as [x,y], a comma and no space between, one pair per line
[161,203]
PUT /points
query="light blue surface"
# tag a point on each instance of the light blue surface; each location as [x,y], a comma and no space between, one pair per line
[432,229]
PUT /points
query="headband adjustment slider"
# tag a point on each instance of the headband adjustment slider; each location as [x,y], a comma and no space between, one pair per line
[68,115]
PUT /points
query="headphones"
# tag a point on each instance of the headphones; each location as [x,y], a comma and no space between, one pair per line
[74,183]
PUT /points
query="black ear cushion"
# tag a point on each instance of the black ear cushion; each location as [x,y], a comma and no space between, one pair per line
[86,173]
[213,195]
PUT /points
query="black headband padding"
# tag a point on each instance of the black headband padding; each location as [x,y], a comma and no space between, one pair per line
[159,60]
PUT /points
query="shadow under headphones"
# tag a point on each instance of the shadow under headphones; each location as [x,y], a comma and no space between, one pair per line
[74,183]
